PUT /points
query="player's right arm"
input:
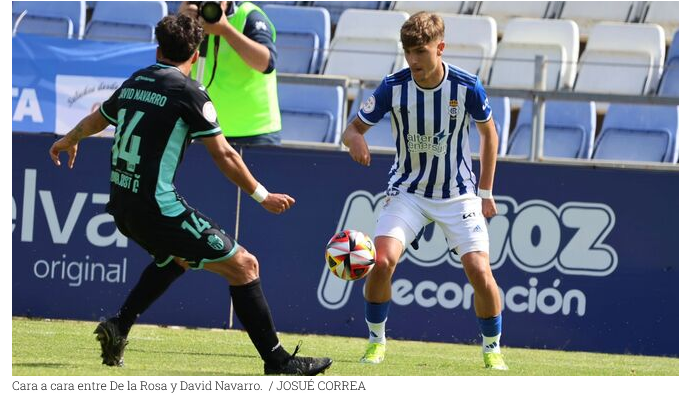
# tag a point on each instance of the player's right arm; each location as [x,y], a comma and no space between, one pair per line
[353,138]
[88,126]
[232,166]
[371,112]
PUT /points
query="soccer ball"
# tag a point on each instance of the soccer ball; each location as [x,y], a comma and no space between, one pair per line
[350,255]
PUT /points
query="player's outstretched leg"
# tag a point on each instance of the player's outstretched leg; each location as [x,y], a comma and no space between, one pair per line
[487,305]
[112,333]
[252,309]
[378,297]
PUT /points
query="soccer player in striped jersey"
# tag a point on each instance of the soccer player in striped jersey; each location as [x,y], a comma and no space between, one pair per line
[431,105]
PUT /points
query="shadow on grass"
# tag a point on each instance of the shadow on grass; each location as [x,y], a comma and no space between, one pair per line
[42,365]
[166,352]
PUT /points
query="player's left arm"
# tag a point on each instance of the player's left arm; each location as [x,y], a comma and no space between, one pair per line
[488,158]
[479,108]
[88,126]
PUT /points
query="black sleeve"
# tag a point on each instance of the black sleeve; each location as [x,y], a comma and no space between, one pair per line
[199,112]
[109,109]
[259,28]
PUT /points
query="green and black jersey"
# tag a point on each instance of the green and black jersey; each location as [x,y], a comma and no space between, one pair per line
[157,112]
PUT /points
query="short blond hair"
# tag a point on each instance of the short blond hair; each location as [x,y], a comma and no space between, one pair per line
[422,28]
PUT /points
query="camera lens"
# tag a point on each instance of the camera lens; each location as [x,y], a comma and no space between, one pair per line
[211,11]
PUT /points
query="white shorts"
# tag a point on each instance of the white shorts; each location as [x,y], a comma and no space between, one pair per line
[460,218]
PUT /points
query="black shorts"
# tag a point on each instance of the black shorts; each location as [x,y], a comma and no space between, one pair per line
[191,236]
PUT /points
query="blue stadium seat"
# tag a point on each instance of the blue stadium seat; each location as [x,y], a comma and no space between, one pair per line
[302,37]
[125,21]
[173,6]
[569,130]
[336,8]
[669,85]
[51,18]
[380,134]
[311,113]
[633,132]
[261,4]
[501,113]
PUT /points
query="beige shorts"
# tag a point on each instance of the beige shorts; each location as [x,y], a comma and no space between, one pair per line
[460,219]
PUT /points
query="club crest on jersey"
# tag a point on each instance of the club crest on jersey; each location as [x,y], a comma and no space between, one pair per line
[215,242]
[452,109]
[369,105]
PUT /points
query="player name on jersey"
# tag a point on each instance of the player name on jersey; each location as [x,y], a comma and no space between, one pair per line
[143,96]
[125,181]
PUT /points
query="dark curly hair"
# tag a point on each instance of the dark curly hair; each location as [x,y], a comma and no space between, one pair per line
[178,37]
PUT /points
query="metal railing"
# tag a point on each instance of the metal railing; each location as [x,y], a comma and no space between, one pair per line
[538,95]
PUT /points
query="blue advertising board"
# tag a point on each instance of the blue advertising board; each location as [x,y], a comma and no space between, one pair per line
[57,81]
[584,256]
[69,260]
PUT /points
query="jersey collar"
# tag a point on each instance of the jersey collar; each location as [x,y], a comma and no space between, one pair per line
[436,88]
[164,66]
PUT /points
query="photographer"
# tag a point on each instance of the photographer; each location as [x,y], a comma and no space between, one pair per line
[241,79]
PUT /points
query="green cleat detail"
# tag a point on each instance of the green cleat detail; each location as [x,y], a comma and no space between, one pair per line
[374,354]
[494,361]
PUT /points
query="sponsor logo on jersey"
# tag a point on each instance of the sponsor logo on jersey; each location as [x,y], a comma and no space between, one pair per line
[260,25]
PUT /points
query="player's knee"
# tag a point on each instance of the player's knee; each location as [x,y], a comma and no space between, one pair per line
[249,266]
[384,265]
[478,270]
[481,274]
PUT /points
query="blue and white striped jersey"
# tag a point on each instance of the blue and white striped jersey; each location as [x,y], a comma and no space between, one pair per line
[431,130]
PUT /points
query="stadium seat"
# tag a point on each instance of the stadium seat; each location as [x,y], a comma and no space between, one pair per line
[311,113]
[283,2]
[569,130]
[50,18]
[503,11]
[501,115]
[337,8]
[524,38]
[589,13]
[366,45]
[669,85]
[302,37]
[665,14]
[622,59]
[173,6]
[439,7]
[380,134]
[471,42]
[634,132]
[125,21]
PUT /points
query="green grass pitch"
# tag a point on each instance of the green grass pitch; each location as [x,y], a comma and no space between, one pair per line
[58,348]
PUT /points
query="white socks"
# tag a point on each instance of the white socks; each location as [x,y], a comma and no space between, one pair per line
[377,332]
[491,344]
